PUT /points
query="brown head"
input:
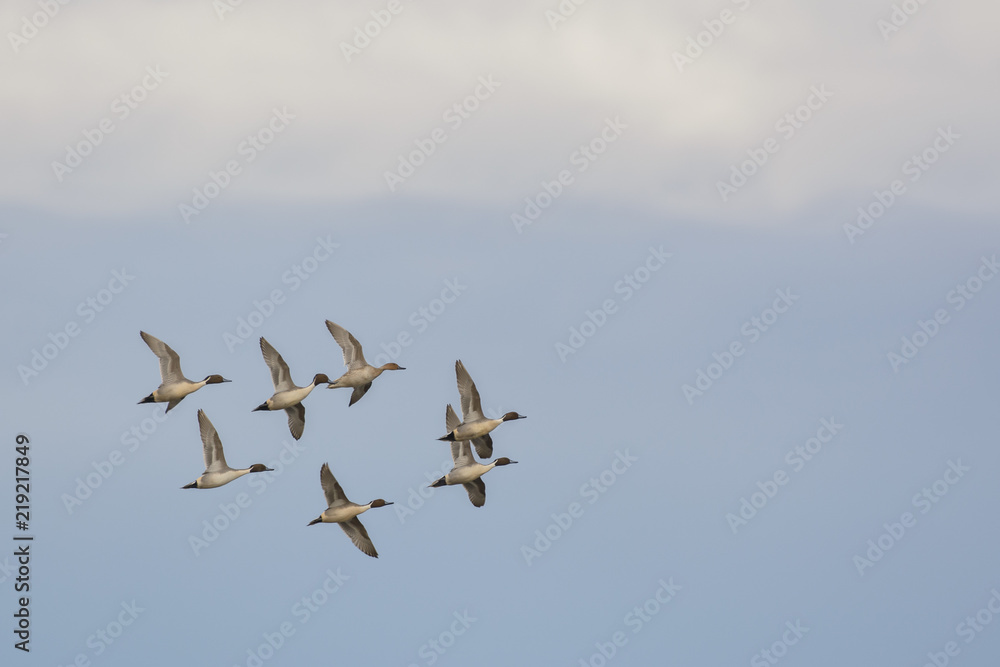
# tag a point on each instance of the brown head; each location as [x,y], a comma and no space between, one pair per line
[321,378]
[512,415]
[260,467]
[215,379]
[504,461]
[392,367]
[378,502]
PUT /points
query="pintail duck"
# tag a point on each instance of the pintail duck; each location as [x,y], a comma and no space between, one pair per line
[467,471]
[217,471]
[475,427]
[174,386]
[359,373]
[287,395]
[342,511]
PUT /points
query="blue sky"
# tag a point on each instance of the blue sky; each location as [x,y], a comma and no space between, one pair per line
[571,201]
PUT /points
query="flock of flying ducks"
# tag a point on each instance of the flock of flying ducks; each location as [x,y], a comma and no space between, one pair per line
[472,431]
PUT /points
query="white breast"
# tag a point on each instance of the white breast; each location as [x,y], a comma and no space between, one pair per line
[286,399]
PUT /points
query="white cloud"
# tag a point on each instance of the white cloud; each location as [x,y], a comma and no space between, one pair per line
[353,119]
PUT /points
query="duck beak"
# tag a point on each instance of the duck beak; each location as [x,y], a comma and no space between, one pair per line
[268,469]
[225,380]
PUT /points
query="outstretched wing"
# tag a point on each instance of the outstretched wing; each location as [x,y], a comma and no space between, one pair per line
[215,459]
[296,419]
[472,408]
[353,356]
[451,420]
[356,531]
[170,362]
[331,487]
[461,453]
[358,393]
[484,446]
[477,491]
[451,423]
[280,376]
